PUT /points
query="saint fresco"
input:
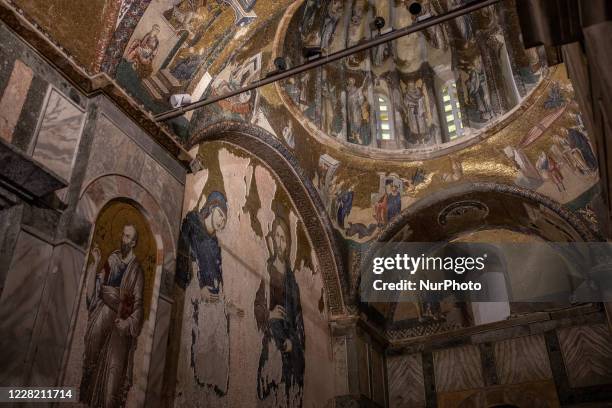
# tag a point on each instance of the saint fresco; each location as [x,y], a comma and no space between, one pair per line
[118,290]
[208,306]
[251,299]
[278,312]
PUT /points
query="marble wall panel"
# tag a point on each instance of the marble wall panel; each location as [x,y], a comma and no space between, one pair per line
[158,354]
[26,127]
[340,356]
[405,381]
[112,152]
[13,98]
[59,134]
[9,232]
[378,377]
[587,353]
[73,368]
[539,394]
[458,368]
[522,359]
[171,201]
[19,304]
[61,290]
[363,367]
[150,176]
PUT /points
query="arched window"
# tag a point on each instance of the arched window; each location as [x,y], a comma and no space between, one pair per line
[384,119]
[452,111]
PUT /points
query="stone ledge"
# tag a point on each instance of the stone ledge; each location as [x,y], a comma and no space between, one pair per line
[24,177]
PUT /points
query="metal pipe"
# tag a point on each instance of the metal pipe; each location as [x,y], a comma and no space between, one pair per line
[393,35]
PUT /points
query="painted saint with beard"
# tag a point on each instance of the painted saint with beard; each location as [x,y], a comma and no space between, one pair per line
[278,312]
[115,295]
[205,302]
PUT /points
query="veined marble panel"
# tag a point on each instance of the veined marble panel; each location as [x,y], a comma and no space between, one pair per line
[458,368]
[19,305]
[363,367]
[378,377]
[587,353]
[406,384]
[112,152]
[538,394]
[522,359]
[61,292]
[158,353]
[58,134]
[13,98]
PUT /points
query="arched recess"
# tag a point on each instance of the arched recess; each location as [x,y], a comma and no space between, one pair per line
[103,189]
[301,191]
[465,208]
[475,206]
[94,197]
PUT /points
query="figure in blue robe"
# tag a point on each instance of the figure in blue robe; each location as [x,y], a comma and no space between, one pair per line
[580,141]
[187,67]
[345,205]
[199,249]
[394,203]
[195,242]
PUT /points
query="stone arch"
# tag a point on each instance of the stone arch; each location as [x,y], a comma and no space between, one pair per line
[300,189]
[469,207]
[103,189]
[472,206]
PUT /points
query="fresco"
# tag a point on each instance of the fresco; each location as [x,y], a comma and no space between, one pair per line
[253,330]
[450,81]
[278,312]
[173,42]
[119,286]
[210,352]
[383,129]
[565,165]
[79,30]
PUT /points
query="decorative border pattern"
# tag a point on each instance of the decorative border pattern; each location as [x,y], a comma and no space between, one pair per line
[274,154]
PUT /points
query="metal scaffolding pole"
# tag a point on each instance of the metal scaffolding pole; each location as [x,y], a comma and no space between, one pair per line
[390,36]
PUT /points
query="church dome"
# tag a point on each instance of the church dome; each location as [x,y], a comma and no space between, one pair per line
[411,97]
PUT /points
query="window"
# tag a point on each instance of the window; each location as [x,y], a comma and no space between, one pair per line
[384,120]
[452,111]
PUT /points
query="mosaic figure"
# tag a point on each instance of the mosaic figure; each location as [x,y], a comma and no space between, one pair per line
[142,52]
[210,330]
[278,312]
[114,299]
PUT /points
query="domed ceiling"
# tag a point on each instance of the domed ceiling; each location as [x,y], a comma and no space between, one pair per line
[438,86]
[379,131]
